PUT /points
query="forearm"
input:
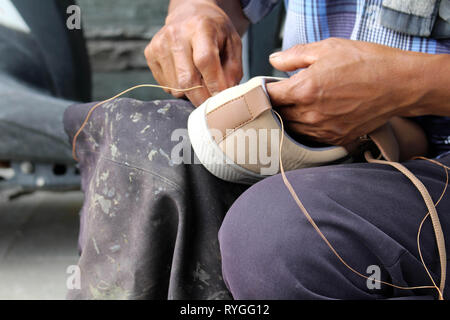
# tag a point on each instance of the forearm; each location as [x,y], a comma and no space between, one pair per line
[231,7]
[436,82]
[234,10]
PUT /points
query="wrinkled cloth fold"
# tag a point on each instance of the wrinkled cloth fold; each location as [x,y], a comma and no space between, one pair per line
[149,226]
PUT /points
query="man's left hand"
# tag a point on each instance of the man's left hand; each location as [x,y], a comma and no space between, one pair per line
[347,88]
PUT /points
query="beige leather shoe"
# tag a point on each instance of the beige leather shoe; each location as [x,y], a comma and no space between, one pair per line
[236,135]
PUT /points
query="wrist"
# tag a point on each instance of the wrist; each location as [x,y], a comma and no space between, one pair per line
[231,9]
[427,85]
[174,4]
[181,9]
[436,83]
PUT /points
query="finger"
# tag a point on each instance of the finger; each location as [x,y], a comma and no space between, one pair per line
[159,77]
[168,71]
[187,75]
[301,89]
[206,56]
[155,68]
[304,114]
[199,95]
[281,93]
[232,60]
[312,132]
[299,56]
[166,62]
[333,135]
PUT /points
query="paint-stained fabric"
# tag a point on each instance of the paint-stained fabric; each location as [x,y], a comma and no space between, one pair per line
[148,225]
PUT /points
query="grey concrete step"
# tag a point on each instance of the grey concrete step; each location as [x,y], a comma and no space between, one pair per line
[38,241]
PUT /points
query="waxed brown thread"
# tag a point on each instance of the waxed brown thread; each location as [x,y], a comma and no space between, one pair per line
[75,137]
[437,228]
[312,222]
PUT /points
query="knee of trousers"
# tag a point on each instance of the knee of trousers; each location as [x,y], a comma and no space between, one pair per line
[144,134]
[270,251]
[127,148]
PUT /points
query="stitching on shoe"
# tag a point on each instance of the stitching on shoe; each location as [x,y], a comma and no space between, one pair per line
[240,124]
[224,105]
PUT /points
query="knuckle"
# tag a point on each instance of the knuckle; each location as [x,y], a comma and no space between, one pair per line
[204,21]
[309,92]
[213,86]
[171,31]
[185,80]
[203,59]
[236,69]
[153,47]
[177,94]
[149,50]
[298,49]
[312,117]
[332,42]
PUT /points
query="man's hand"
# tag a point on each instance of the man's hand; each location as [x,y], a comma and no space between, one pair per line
[348,88]
[197,46]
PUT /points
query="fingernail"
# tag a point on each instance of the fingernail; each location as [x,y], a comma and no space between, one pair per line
[274,55]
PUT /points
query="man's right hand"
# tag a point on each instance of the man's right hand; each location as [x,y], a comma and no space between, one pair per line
[197,46]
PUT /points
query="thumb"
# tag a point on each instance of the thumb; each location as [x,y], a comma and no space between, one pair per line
[299,56]
[280,92]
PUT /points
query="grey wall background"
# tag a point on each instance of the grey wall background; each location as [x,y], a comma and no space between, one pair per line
[117,32]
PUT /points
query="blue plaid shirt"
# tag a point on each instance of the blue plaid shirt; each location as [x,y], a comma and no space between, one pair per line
[314,20]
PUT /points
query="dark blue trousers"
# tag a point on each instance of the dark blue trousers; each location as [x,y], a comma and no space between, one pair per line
[369,212]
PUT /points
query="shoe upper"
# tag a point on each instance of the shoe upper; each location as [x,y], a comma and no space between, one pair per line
[244,126]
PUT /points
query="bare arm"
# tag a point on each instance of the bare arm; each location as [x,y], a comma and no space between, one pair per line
[434,84]
[231,7]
